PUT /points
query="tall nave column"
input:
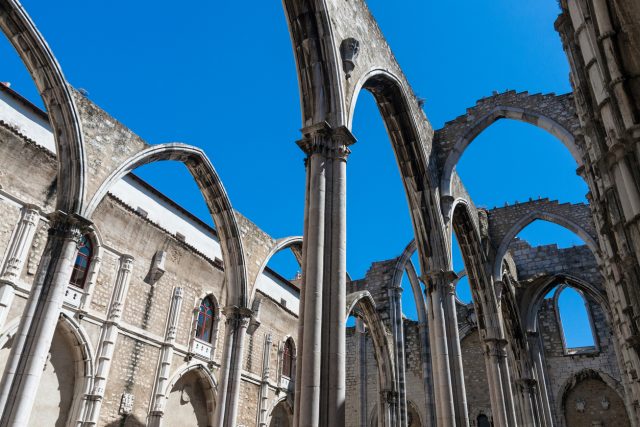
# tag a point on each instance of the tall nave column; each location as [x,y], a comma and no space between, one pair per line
[33,339]
[448,377]
[323,304]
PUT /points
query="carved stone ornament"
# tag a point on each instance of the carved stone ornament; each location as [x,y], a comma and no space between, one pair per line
[126,403]
[349,49]
[580,405]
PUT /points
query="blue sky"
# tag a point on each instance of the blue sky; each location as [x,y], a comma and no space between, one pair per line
[221,76]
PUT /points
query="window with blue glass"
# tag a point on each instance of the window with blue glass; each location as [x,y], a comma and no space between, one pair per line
[82,264]
[206,314]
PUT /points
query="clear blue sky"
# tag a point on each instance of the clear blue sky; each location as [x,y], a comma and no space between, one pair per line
[221,76]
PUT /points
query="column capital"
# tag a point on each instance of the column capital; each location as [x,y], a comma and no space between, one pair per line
[321,138]
[445,279]
[496,347]
[66,225]
[237,317]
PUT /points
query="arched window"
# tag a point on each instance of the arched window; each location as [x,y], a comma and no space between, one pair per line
[206,315]
[575,321]
[83,261]
[483,421]
[287,359]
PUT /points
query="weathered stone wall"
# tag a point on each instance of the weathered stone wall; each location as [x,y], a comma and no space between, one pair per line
[475,375]
[561,367]
[142,328]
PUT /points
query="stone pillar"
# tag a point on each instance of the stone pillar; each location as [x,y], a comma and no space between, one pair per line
[499,382]
[231,365]
[542,395]
[442,382]
[527,390]
[264,387]
[323,306]
[362,370]
[109,337]
[32,341]
[397,330]
[166,355]
[455,352]
[16,256]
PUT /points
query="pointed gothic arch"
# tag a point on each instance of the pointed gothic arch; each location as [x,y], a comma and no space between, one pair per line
[58,98]
[217,201]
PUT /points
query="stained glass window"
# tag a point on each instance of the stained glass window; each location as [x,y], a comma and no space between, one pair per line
[83,261]
[205,320]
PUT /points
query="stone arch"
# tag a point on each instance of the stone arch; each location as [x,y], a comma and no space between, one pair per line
[469,239]
[281,408]
[404,264]
[292,242]
[316,60]
[553,113]
[205,381]
[413,415]
[217,201]
[383,352]
[549,216]
[77,364]
[590,374]
[533,296]
[398,110]
[58,98]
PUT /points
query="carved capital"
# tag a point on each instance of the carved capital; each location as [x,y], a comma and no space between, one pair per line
[443,279]
[325,140]
[67,226]
[496,347]
[237,317]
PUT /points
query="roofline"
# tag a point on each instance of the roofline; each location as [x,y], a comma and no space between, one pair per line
[44,115]
[18,97]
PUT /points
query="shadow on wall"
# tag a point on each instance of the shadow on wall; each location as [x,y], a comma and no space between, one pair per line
[127,421]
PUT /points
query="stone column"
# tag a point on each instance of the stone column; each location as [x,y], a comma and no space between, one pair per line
[397,330]
[362,370]
[231,365]
[109,338]
[527,390]
[166,355]
[32,341]
[16,256]
[442,382]
[264,387]
[499,382]
[455,352]
[322,337]
[537,356]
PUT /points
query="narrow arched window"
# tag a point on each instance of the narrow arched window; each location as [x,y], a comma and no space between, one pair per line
[287,359]
[83,262]
[577,331]
[206,314]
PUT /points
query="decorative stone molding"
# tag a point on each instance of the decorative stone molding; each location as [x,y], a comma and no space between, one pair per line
[349,49]
[325,140]
[126,404]
[19,247]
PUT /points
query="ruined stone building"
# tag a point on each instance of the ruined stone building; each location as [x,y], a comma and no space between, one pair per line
[120,308]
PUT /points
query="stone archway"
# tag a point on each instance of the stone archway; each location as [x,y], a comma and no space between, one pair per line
[592,398]
[281,415]
[190,398]
[553,113]
[59,100]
